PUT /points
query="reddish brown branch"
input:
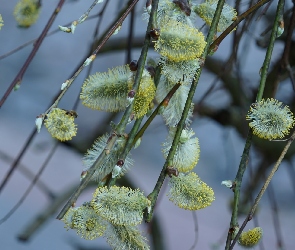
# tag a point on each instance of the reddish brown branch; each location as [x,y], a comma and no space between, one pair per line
[239,19]
[17,80]
[285,57]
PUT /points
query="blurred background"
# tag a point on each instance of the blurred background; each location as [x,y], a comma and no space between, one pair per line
[227,87]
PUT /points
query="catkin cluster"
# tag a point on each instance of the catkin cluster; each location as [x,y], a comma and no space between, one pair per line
[270,119]
[180,45]
[115,212]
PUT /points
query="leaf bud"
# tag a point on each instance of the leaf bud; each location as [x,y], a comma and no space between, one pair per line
[73,26]
[155,33]
[148,6]
[39,121]
[227,183]
[64,29]
[133,65]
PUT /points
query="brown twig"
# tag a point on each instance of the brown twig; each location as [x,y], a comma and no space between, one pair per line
[44,165]
[239,19]
[275,216]
[112,139]
[263,189]
[18,158]
[29,175]
[17,80]
[286,53]
[11,52]
[94,53]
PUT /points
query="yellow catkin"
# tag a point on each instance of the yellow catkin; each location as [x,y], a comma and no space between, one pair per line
[187,152]
[26,12]
[125,237]
[270,119]
[251,238]
[1,22]
[189,192]
[87,223]
[144,96]
[120,205]
[108,91]
[60,124]
[180,42]
[207,10]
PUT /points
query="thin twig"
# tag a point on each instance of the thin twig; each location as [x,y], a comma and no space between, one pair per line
[48,211]
[130,36]
[263,189]
[18,158]
[17,80]
[255,218]
[122,125]
[212,31]
[93,55]
[286,53]
[44,165]
[275,216]
[80,20]
[11,52]
[240,18]
[195,219]
[244,159]
[29,174]
[265,9]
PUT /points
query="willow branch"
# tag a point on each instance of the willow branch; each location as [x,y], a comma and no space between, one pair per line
[239,19]
[94,53]
[212,31]
[244,159]
[140,65]
[11,52]
[17,80]
[122,125]
[263,189]
[155,112]
[286,53]
[87,178]
[27,192]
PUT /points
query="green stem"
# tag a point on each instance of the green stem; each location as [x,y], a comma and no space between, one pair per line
[244,160]
[112,139]
[239,19]
[269,51]
[127,147]
[140,66]
[156,111]
[133,137]
[263,189]
[212,31]
[87,178]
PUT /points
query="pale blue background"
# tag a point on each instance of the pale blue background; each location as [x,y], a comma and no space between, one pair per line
[58,56]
